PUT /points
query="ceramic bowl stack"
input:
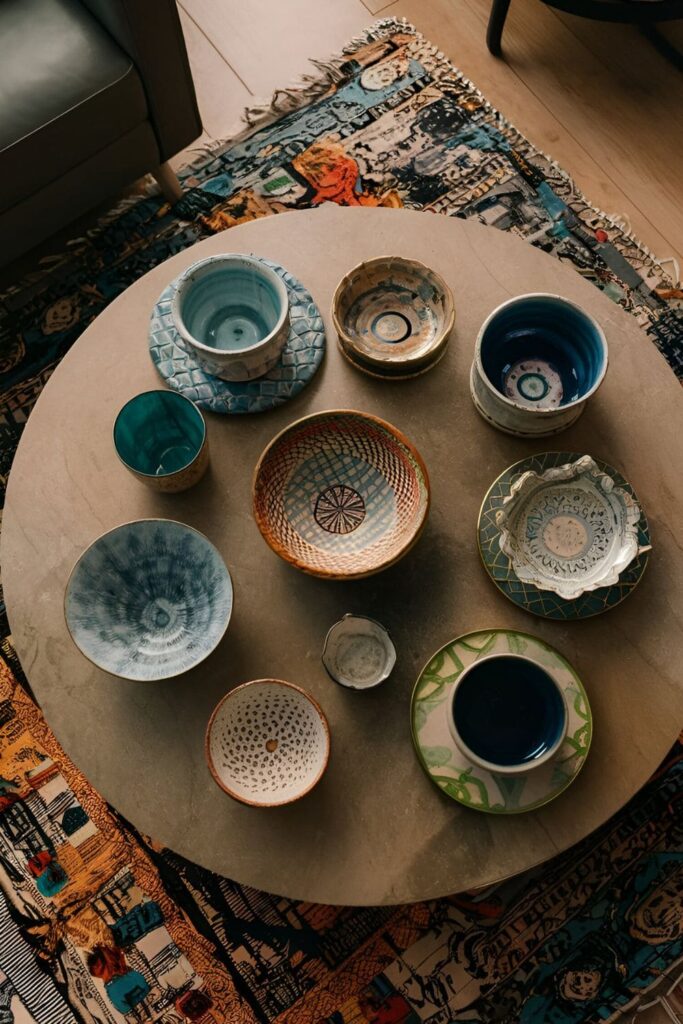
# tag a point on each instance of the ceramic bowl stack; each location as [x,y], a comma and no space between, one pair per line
[149,600]
[340,494]
[393,317]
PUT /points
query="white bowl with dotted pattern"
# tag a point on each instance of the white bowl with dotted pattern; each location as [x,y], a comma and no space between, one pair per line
[267,743]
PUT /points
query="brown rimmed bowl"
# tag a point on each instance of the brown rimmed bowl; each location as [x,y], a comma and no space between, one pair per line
[341,494]
[267,743]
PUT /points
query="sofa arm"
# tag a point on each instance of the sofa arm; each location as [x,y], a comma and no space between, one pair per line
[151,35]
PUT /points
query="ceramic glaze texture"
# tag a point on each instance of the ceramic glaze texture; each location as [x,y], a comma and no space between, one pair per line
[161,438]
[507,714]
[538,358]
[456,774]
[358,653]
[267,743]
[148,600]
[232,311]
[569,530]
[393,316]
[340,494]
[298,361]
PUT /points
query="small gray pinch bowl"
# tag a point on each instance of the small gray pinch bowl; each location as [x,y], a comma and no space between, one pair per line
[358,653]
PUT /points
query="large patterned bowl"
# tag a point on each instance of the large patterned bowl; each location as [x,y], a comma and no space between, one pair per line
[148,600]
[340,494]
[267,743]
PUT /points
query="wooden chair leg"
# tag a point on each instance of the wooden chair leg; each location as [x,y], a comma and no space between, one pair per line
[494,32]
[167,181]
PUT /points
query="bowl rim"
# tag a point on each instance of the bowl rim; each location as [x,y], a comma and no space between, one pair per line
[176,472]
[180,283]
[207,742]
[437,347]
[491,766]
[391,652]
[542,413]
[170,675]
[280,550]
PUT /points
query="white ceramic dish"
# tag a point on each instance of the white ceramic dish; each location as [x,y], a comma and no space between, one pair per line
[358,653]
[267,743]
[569,530]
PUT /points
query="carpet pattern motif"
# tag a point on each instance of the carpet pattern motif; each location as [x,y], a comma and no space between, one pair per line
[97,923]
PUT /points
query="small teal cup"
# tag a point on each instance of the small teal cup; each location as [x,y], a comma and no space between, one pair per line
[160,436]
[538,359]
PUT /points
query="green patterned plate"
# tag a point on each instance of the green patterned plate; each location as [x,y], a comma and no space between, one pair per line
[544,602]
[451,771]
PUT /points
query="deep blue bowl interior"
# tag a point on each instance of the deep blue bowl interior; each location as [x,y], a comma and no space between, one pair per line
[508,710]
[547,331]
[230,307]
[158,433]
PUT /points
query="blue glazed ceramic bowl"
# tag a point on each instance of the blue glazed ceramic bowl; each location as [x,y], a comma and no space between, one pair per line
[160,436]
[538,359]
[148,600]
[233,313]
[507,714]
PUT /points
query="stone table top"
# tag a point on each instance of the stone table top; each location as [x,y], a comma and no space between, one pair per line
[375,830]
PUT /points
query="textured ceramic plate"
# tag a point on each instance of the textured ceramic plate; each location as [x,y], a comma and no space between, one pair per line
[299,360]
[544,602]
[148,600]
[393,317]
[340,494]
[447,766]
[267,743]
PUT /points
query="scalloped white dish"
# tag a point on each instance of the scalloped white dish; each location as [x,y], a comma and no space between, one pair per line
[569,530]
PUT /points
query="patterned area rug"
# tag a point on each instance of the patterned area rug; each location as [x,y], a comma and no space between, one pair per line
[97,924]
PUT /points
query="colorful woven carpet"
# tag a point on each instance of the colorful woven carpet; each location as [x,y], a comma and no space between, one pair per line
[96,923]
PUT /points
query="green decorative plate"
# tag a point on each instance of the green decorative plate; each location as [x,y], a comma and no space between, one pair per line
[544,602]
[451,771]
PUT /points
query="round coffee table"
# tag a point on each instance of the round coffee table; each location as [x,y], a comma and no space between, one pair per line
[375,831]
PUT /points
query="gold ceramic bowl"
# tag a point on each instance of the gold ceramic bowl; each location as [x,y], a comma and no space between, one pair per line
[393,317]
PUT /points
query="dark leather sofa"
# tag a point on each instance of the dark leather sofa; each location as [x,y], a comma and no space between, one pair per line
[93,94]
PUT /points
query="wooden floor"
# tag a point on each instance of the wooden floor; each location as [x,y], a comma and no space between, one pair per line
[596,97]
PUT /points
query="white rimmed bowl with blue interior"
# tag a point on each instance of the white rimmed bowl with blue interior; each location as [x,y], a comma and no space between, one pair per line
[232,311]
[538,359]
[148,600]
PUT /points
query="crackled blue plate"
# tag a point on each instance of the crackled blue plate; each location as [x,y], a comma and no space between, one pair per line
[300,358]
[148,600]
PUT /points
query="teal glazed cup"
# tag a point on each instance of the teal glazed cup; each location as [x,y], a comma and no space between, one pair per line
[160,436]
[232,312]
[538,360]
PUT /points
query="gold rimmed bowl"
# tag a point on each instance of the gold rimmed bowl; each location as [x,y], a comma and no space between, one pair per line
[393,317]
[341,494]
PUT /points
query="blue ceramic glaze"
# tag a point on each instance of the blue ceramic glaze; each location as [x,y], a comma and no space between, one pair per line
[508,710]
[543,352]
[158,433]
[149,600]
[230,307]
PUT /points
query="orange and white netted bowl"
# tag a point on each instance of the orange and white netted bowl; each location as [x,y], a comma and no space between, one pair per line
[341,494]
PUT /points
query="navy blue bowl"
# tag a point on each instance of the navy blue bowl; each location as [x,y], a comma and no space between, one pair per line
[507,713]
[543,352]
